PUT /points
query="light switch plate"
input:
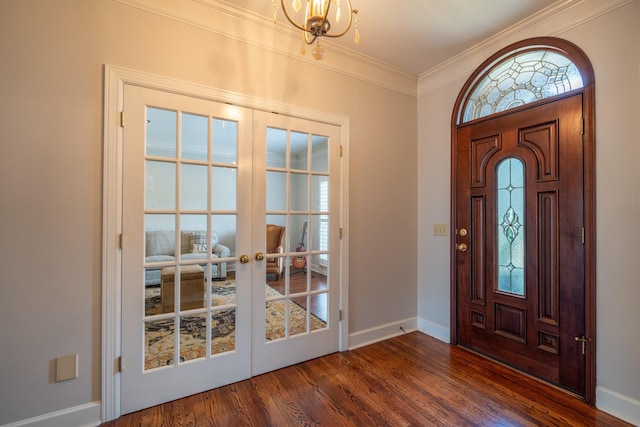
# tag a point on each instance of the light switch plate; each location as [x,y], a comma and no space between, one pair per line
[440,229]
[67,367]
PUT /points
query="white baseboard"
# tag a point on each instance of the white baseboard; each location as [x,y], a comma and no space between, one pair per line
[435,330]
[86,415]
[618,405]
[381,333]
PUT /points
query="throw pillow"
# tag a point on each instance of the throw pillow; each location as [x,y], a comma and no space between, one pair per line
[199,241]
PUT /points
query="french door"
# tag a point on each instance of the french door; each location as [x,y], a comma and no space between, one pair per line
[519,242]
[202,305]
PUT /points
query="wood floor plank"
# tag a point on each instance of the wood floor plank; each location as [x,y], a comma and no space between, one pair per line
[409,380]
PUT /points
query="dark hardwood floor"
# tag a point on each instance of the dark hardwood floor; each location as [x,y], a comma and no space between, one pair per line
[410,380]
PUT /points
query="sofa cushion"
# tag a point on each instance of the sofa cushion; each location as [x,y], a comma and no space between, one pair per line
[196,255]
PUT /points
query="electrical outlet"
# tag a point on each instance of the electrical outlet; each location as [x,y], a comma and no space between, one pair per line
[440,229]
[67,367]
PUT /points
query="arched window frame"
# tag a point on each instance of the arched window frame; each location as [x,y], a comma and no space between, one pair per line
[559,46]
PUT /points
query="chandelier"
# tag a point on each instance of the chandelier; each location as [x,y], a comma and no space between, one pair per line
[315,22]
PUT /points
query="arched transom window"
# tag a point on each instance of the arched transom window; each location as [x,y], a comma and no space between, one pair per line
[522,78]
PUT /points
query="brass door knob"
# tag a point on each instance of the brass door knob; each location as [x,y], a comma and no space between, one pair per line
[462,247]
[259,256]
[244,259]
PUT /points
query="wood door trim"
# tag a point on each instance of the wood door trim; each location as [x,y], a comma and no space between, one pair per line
[588,91]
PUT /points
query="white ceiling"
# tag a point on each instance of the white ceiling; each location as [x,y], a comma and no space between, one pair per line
[417,35]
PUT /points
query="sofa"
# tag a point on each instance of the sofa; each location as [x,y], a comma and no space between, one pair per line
[160,247]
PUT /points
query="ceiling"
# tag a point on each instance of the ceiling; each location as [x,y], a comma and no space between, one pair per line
[417,35]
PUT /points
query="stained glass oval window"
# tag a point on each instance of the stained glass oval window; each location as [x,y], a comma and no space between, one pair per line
[509,226]
[521,79]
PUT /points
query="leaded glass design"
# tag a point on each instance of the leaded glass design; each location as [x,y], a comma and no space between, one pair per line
[522,79]
[509,223]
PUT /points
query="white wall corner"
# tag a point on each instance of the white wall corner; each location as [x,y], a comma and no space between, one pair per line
[381,333]
[86,415]
[434,330]
[618,405]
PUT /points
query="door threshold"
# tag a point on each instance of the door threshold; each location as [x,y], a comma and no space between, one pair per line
[528,375]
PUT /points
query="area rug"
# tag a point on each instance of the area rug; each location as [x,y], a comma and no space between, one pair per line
[159,338]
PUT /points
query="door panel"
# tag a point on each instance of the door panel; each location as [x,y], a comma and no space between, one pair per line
[179,245]
[520,201]
[298,167]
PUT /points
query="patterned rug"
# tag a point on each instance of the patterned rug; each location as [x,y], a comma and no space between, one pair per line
[159,338]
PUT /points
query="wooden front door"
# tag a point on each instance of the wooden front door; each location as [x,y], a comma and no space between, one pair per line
[520,240]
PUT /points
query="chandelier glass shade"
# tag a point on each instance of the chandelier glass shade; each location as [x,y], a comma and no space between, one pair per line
[316,23]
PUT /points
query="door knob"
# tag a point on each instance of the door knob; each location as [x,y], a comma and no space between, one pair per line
[259,256]
[462,247]
[244,259]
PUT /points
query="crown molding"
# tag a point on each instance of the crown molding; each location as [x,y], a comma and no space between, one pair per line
[224,19]
[551,21]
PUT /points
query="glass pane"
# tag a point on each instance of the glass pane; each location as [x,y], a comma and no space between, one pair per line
[275,320]
[299,192]
[191,287]
[223,292]
[276,232]
[223,188]
[223,239]
[193,187]
[193,237]
[319,233]
[276,191]
[299,151]
[158,343]
[159,249]
[319,311]
[522,79]
[298,224]
[161,133]
[223,331]
[510,230]
[319,193]
[160,185]
[276,148]
[298,315]
[193,337]
[319,272]
[225,141]
[195,133]
[319,153]
[152,298]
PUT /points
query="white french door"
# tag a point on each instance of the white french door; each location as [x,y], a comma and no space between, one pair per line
[296,176]
[202,305]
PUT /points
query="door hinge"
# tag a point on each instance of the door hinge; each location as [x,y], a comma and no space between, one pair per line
[340,315]
[341,151]
[118,365]
[340,233]
[120,241]
[583,235]
[582,130]
[121,119]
